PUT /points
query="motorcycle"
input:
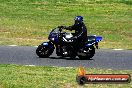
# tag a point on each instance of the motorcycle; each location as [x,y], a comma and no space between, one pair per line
[64,45]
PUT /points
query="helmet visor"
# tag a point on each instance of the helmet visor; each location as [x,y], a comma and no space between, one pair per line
[77,21]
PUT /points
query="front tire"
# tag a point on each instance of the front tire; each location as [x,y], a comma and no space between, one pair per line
[44,51]
[89,53]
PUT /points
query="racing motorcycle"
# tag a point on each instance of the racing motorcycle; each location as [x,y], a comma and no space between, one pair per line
[64,44]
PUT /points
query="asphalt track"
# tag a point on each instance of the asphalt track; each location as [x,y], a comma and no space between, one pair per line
[104,58]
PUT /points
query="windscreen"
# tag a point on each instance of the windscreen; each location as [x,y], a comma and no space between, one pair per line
[56,30]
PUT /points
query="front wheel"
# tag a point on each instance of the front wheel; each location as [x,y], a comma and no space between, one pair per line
[87,53]
[44,51]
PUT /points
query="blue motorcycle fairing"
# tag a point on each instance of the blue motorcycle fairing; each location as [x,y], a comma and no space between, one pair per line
[93,39]
[98,38]
[53,37]
[48,44]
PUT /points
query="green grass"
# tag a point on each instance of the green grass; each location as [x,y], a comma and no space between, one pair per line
[17,76]
[28,22]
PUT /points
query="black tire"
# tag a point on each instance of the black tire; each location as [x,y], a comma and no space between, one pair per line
[89,54]
[73,56]
[44,51]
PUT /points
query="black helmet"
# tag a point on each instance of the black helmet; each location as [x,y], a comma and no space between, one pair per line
[78,19]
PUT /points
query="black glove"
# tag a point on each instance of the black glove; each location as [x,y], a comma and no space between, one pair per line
[74,38]
[60,26]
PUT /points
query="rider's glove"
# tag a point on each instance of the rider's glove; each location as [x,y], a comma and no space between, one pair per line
[60,26]
[74,38]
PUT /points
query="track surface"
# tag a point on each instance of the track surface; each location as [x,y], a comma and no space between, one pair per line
[103,58]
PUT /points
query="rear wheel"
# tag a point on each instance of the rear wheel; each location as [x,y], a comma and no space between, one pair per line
[73,56]
[44,51]
[87,53]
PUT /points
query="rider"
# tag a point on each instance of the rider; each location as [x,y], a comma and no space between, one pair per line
[80,29]
[80,35]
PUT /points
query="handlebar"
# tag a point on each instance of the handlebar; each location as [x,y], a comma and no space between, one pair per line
[66,40]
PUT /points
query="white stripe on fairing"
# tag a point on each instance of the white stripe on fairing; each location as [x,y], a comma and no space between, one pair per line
[12,45]
[117,49]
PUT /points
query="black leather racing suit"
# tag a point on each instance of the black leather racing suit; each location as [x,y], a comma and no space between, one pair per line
[80,35]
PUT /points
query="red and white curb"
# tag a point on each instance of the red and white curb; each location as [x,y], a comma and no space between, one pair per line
[118,49]
[35,46]
[12,45]
[30,65]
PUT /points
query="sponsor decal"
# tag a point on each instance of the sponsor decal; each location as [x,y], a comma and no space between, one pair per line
[83,78]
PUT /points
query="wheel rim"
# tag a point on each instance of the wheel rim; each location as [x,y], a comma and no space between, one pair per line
[43,51]
[88,52]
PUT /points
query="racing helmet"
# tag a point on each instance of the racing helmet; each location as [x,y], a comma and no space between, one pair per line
[78,19]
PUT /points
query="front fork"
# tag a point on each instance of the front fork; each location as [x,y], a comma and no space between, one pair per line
[96,44]
[58,50]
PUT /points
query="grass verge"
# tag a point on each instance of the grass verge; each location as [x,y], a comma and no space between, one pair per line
[17,76]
